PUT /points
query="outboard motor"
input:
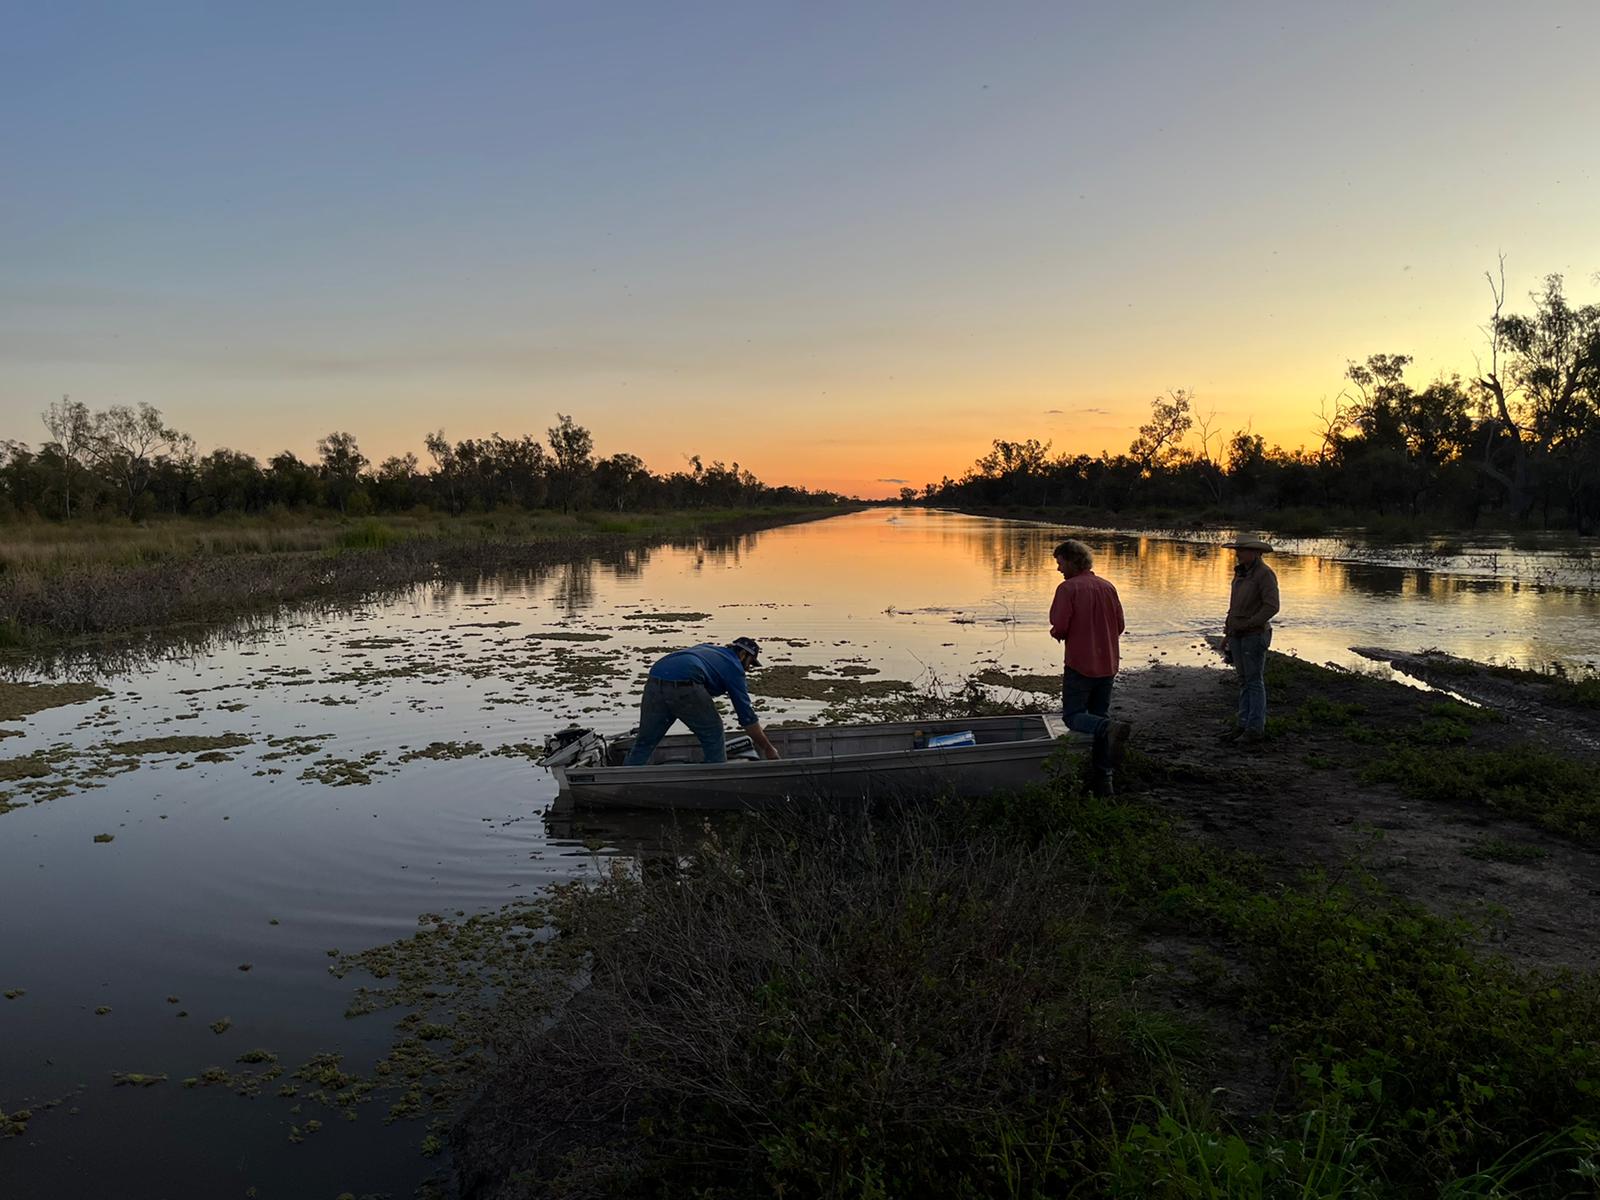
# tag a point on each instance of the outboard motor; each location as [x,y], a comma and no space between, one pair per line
[574,746]
[742,746]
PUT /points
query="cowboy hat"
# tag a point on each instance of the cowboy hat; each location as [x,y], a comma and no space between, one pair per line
[1249,544]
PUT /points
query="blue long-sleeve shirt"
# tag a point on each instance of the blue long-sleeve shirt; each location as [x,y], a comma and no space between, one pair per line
[715,666]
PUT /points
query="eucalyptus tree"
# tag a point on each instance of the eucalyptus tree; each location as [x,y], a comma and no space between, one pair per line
[125,443]
[70,425]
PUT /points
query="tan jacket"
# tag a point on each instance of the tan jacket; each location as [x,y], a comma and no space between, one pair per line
[1254,601]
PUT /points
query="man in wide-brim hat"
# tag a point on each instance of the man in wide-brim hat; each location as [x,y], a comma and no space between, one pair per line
[1247,633]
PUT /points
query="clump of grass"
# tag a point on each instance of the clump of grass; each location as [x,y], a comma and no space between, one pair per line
[1559,794]
[368,534]
[801,1014]
[1495,849]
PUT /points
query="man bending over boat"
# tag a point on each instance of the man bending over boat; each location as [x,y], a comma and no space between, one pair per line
[1086,617]
[681,687]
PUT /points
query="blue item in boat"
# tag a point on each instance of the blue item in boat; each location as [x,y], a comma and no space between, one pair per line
[944,741]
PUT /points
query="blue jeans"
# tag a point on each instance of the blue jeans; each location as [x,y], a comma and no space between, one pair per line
[1250,661]
[667,701]
[1085,701]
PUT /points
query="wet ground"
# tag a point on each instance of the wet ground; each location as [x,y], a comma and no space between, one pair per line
[186,845]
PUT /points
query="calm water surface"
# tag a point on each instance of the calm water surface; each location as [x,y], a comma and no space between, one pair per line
[207,855]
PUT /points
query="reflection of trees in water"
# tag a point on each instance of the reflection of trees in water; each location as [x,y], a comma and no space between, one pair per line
[1167,566]
[719,550]
[133,654]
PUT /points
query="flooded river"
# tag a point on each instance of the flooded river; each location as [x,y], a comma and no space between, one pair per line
[170,905]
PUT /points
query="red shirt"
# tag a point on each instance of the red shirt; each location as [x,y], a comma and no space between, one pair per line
[1087,616]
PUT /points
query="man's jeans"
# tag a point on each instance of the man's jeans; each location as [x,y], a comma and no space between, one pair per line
[665,701]
[1085,701]
[1250,661]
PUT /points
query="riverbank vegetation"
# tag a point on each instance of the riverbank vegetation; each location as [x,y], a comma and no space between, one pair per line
[1056,994]
[89,578]
[1053,993]
[1518,442]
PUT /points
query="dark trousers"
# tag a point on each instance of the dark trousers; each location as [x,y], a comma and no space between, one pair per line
[665,701]
[1085,703]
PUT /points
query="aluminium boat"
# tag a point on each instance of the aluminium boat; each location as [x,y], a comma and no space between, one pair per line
[888,760]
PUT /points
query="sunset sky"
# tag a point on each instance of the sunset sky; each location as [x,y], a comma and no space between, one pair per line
[843,244]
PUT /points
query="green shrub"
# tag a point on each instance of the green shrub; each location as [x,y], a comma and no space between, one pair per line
[1560,794]
[368,534]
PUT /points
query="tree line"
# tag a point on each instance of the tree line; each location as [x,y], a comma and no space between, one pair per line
[130,461]
[1521,437]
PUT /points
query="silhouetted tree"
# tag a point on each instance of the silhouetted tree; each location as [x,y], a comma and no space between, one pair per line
[342,464]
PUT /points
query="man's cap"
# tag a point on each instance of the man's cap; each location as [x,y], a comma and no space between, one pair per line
[1249,544]
[749,646]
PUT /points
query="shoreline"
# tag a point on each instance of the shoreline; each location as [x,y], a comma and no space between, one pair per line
[88,607]
[1352,905]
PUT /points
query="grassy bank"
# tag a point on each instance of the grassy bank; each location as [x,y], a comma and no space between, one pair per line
[92,579]
[1053,994]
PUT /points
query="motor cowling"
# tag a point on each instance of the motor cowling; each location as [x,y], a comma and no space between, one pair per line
[574,746]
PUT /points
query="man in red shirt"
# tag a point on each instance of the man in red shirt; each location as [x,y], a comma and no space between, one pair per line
[1086,616]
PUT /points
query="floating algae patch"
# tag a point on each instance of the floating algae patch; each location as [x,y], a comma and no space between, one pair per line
[135,1079]
[33,766]
[519,750]
[468,983]
[794,682]
[440,750]
[569,635]
[57,771]
[19,700]
[579,674]
[343,772]
[295,746]
[412,668]
[14,1124]
[667,616]
[486,624]
[1047,684]
[177,745]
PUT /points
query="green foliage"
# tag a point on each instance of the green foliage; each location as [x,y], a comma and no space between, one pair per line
[1451,1057]
[368,534]
[1175,1156]
[1494,849]
[1557,793]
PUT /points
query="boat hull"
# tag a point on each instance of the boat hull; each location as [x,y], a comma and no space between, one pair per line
[858,762]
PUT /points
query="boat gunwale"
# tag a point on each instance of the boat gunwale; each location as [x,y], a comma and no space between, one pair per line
[676,773]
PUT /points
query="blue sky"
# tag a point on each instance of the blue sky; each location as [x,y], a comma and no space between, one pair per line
[835,242]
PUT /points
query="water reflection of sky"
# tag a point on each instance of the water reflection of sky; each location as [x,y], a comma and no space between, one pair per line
[206,855]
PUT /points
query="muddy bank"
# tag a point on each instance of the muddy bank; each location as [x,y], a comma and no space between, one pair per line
[1314,795]
[1557,706]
